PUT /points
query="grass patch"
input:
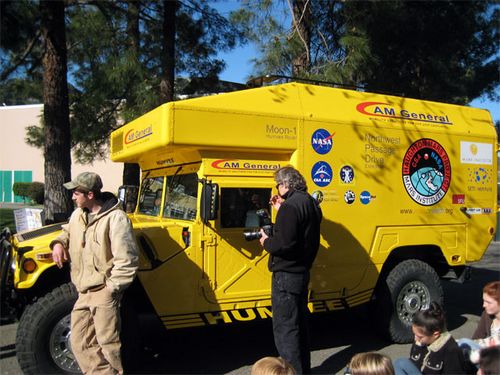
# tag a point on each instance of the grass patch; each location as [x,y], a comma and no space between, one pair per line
[7,219]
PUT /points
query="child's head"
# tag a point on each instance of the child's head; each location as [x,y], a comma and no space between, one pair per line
[429,324]
[371,363]
[489,361]
[491,298]
[272,366]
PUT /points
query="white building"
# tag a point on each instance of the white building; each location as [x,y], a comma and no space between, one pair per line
[20,162]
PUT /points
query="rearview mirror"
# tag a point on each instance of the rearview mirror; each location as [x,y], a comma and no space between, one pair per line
[127,195]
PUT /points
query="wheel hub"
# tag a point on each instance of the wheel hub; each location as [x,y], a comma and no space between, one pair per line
[60,346]
[413,297]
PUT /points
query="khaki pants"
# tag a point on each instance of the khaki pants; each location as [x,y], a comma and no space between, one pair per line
[95,332]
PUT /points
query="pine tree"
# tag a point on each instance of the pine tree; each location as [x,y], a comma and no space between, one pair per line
[438,50]
[56,115]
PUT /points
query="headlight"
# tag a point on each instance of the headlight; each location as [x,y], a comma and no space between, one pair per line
[29,265]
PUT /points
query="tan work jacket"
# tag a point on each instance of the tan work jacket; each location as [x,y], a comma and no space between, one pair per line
[102,250]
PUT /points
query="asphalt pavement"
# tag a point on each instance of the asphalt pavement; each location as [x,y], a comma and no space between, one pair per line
[336,337]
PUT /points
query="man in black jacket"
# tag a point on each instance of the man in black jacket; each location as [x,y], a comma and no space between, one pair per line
[292,248]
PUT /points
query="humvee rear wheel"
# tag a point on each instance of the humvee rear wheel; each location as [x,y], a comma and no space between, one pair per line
[409,287]
[43,334]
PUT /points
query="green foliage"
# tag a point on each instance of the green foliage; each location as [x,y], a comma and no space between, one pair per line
[7,219]
[114,80]
[442,50]
[118,81]
[21,50]
[36,192]
[264,24]
[437,50]
[21,189]
[32,190]
[17,91]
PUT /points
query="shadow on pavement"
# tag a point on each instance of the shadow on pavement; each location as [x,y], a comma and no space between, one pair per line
[221,349]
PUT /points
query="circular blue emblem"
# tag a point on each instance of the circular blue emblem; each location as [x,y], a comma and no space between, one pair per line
[321,141]
[321,173]
[347,174]
[426,172]
[365,197]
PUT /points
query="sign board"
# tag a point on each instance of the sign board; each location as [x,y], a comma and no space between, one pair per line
[28,218]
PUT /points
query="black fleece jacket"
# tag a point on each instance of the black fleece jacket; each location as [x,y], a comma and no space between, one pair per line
[295,241]
[442,357]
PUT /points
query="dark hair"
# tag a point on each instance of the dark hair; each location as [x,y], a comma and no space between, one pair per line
[492,289]
[489,360]
[291,178]
[431,320]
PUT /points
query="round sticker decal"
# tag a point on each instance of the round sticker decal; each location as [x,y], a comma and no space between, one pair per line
[321,141]
[347,174]
[349,197]
[426,172]
[317,195]
[365,197]
[321,173]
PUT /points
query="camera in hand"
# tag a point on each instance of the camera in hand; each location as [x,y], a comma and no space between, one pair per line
[264,222]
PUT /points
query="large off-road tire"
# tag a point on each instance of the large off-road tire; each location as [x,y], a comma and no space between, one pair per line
[409,287]
[43,334]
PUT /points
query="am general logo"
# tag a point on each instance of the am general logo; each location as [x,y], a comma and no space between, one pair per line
[322,141]
[134,135]
[381,109]
[426,172]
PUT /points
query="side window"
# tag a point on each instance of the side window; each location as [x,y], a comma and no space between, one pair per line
[239,206]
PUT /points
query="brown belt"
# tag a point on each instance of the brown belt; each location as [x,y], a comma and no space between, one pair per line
[95,288]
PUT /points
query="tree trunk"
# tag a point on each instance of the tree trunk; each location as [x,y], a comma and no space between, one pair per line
[131,171]
[168,57]
[301,24]
[57,147]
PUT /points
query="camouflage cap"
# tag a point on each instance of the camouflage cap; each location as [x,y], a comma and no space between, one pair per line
[88,181]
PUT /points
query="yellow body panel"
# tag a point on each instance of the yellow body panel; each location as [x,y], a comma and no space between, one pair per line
[392,174]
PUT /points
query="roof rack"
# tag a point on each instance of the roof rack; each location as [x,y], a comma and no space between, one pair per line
[268,78]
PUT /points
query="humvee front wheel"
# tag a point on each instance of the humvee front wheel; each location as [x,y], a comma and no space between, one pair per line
[43,334]
[409,287]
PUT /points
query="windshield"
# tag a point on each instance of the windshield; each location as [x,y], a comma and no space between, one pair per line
[180,197]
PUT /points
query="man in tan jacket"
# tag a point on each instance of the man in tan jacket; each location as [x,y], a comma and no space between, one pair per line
[100,244]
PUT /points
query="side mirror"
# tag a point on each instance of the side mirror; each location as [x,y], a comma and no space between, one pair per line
[209,201]
[127,195]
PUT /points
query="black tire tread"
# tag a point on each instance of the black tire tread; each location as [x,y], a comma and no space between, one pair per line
[30,331]
[398,273]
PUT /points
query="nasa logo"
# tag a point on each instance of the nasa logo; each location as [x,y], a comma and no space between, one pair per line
[365,197]
[321,173]
[349,197]
[426,172]
[322,141]
[347,174]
